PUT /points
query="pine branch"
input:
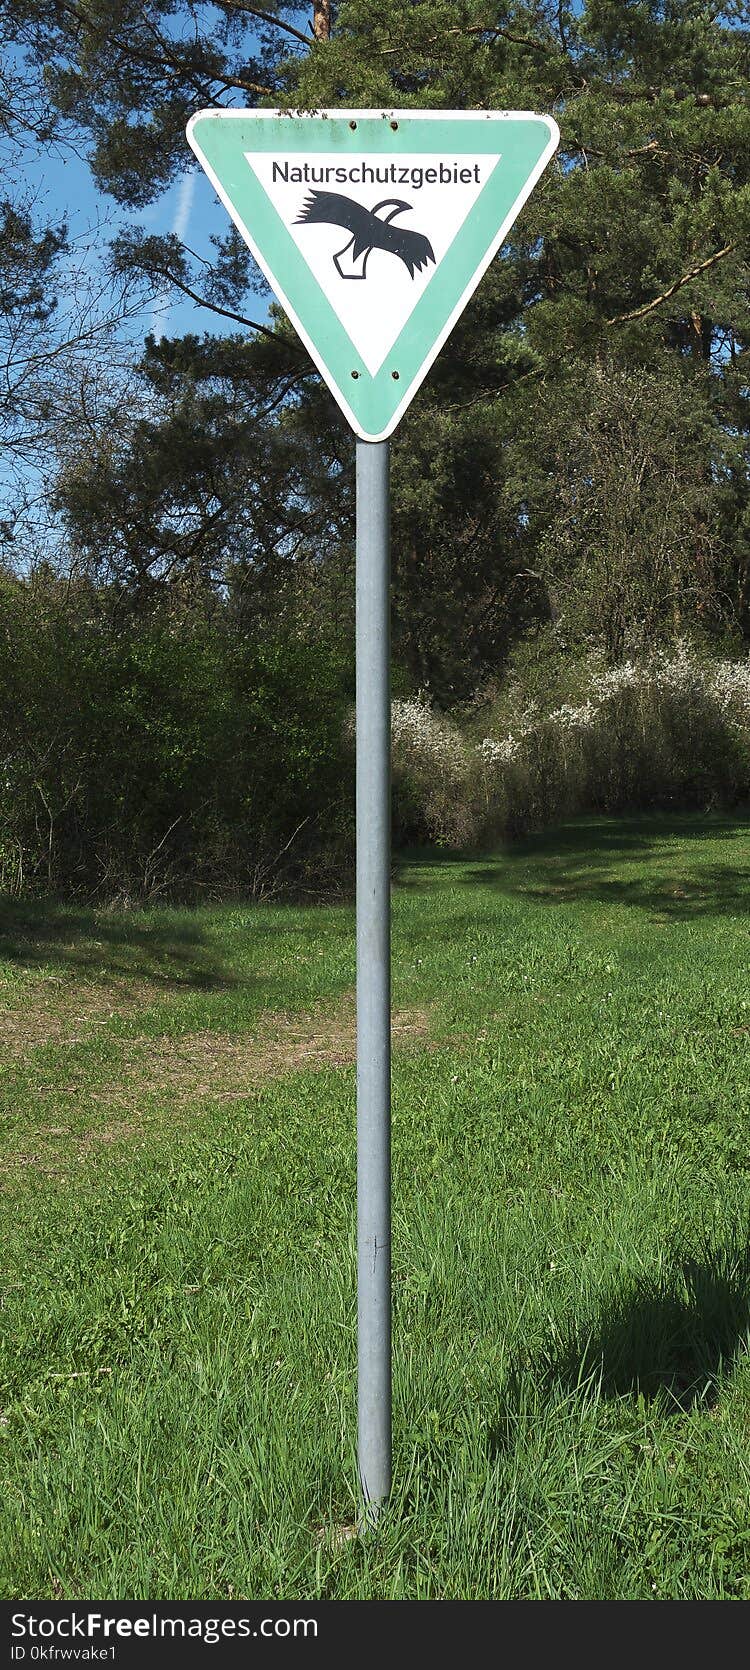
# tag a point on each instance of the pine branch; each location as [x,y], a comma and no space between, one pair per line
[179,68]
[648,307]
[472,29]
[226,312]
[265,17]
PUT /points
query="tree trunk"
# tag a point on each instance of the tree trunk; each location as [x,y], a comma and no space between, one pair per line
[322,20]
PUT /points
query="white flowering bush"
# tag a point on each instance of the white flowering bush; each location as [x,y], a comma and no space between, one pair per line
[417,732]
[731,689]
[669,728]
[435,775]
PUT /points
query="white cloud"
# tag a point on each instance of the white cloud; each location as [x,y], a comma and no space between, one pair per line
[184,204]
[183,211]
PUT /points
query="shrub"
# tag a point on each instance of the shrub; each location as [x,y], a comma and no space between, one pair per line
[163,756]
[664,730]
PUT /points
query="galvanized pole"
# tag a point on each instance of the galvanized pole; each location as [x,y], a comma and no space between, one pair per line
[373,973]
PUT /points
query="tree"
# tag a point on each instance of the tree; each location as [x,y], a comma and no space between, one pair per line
[51,315]
[629,552]
[28,304]
[208,486]
[629,259]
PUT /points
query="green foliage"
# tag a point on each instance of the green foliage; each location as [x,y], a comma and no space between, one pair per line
[626,271]
[27,258]
[166,753]
[210,485]
[629,540]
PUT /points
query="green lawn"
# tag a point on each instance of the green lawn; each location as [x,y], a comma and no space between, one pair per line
[571,1236]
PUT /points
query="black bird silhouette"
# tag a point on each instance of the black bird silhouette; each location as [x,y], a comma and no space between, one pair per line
[368,233]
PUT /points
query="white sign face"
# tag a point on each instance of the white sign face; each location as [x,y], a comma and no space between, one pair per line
[373,228]
[397,204]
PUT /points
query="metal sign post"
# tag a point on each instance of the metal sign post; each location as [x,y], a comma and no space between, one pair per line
[373,972]
[373,228]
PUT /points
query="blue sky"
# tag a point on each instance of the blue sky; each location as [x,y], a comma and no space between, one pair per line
[65,190]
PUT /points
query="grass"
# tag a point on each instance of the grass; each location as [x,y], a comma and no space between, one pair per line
[571,1236]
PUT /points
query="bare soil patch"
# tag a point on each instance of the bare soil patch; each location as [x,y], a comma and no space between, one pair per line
[176,1071]
[225,1066]
[56,1010]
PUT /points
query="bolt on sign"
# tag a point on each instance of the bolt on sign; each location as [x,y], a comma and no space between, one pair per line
[373,228]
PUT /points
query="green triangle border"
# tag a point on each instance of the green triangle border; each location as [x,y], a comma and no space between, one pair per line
[373,404]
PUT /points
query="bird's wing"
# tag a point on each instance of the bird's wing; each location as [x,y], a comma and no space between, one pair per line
[333,208]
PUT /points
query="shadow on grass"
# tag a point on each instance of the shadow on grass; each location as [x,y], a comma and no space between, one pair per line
[671,1340]
[643,861]
[171,949]
[673,1337]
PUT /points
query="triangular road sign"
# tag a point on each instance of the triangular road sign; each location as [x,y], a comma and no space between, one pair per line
[373,228]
